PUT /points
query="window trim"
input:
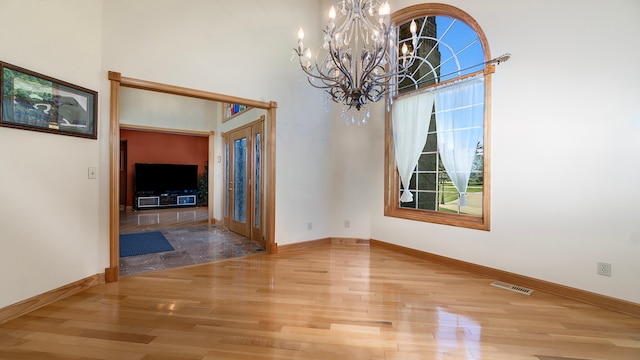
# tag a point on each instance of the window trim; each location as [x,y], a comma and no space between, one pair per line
[391,176]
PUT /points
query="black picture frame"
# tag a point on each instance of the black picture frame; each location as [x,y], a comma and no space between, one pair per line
[32,101]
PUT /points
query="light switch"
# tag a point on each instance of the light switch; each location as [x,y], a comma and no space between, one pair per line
[92,173]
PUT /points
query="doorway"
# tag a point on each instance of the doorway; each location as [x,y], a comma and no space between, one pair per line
[268,184]
[243,174]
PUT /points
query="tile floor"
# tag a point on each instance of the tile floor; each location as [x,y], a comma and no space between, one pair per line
[188,231]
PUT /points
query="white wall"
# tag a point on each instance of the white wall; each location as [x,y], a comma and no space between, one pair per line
[59,232]
[564,130]
[241,49]
[565,126]
[50,232]
[160,110]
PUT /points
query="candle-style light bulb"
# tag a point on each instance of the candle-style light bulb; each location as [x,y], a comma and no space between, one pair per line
[300,37]
[405,50]
[332,13]
[375,35]
[414,37]
[307,53]
[385,9]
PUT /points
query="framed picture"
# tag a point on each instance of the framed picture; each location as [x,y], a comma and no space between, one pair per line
[33,101]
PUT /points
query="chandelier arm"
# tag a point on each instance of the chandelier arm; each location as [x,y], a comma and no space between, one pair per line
[362,21]
[381,30]
[370,25]
[348,28]
[361,62]
[374,92]
[325,78]
[350,10]
[399,70]
[324,85]
[337,61]
[336,95]
[377,58]
[308,69]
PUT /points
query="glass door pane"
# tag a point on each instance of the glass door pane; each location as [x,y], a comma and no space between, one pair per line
[239,179]
[257,184]
[226,179]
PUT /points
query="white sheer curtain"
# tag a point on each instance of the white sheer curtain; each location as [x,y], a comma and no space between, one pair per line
[459,119]
[411,116]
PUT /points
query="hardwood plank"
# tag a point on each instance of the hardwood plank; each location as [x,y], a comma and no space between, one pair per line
[28,305]
[332,301]
[541,285]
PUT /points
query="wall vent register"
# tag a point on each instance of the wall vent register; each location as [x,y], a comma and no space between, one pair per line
[511,287]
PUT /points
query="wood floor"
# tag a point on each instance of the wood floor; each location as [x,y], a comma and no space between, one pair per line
[329,302]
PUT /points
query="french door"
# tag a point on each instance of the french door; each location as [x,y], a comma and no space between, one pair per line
[243,150]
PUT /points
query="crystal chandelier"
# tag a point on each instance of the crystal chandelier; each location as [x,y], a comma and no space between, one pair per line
[359,62]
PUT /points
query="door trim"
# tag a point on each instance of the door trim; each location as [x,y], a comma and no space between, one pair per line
[255,127]
[117,81]
[229,188]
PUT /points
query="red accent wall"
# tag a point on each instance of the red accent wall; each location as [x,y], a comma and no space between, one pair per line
[161,148]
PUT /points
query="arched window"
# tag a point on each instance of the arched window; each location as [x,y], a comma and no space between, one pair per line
[437,132]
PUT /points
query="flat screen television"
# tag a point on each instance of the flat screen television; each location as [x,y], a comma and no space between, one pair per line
[158,179]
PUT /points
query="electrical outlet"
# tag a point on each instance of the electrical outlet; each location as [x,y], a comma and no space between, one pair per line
[309,226]
[604,268]
[347,223]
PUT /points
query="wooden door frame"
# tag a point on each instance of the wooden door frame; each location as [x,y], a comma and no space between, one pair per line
[117,81]
[256,233]
[236,226]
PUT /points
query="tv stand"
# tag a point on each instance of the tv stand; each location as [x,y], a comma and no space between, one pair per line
[164,200]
